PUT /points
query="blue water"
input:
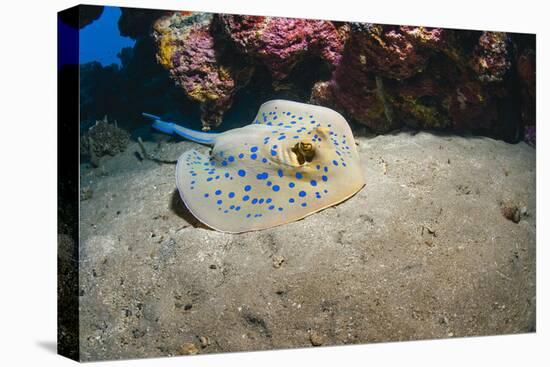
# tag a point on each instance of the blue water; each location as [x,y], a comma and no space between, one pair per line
[101,41]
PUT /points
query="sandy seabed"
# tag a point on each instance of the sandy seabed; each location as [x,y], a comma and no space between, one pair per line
[423,251]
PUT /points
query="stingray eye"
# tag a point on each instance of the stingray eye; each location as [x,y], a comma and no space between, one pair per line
[304,152]
[306,147]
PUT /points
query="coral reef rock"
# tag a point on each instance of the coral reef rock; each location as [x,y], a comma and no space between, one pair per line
[491,57]
[103,139]
[426,78]
[191,66]
[208,75]
[280,43]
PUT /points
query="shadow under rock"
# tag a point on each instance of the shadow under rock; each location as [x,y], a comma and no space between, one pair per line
[178,207]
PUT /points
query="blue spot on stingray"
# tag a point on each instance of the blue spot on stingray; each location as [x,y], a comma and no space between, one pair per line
[318,167]
[282,137]
[273,153]
[224,163]
[241,155]
[280,209]
[325,191]
[247,188]
[226,174]
[264,160]
[218,192]
[254,201]
[232,207]
[248,215]
[271,207]
[254,149]
[291,200]
[261,201]
[231,195]
[325,169]
[217,177]
[302,193]
[237,208]
[299,175]
[219,202]
[268,200]
[268,183]
[230,158]
[241,172]
[262,176]
[304,204]
[288,113]
[335,163]
[246,197]
[291,184]
[280,172]
[206,195]
[253,156]
[324,178]
[313,183]
[276,187]
[209,179]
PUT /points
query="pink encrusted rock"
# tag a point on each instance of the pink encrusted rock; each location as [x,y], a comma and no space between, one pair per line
[187,49]
[424,78]
[395,52]
[280,43]
[491,59]
[361,85]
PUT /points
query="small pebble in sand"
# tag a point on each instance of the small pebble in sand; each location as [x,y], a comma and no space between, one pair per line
[86,193]
[205,341]
[511,212]
[278,261]
[316,339]
[189,349]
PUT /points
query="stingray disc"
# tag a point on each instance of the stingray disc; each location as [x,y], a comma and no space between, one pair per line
[293,160]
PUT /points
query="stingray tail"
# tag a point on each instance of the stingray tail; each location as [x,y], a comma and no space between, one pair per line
[173,128]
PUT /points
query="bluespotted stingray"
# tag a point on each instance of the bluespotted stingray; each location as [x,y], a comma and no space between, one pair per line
[295,159]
